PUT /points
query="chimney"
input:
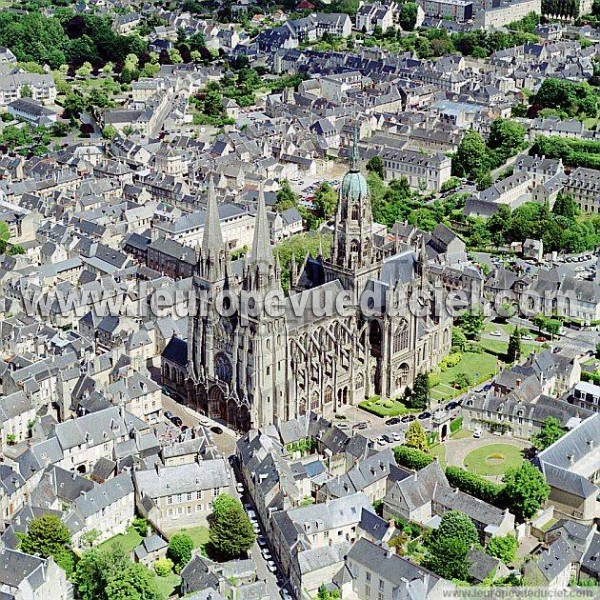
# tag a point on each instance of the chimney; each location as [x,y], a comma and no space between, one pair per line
[518,383]
[157,467]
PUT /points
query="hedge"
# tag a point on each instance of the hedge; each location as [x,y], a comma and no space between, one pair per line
[591,377]
[474,485]
[412,458]
[456,424]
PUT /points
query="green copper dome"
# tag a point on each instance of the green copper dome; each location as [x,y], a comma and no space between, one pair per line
[354,186]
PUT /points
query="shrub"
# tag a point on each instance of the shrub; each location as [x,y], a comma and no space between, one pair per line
[163,567]
[412,458]
[434,379]
[141,526]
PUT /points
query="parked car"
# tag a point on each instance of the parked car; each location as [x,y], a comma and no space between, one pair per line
[393,421]
[261,540]
[477,433]
[285,595]
[397,436]
[380,441]
[424,415]
[266,554]
[361,425]
[408,418]
[216,429]
[239,487]
[271,566]
[387,438]
[251,514]
[169,415]
[527,338]
[451,405]
[541,338]
[496,333]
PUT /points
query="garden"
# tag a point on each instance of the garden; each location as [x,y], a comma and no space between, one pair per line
[385,407]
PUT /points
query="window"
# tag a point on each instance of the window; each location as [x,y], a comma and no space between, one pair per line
[189,496]
[368,576]
[170,500]
[216,492]
[199,495]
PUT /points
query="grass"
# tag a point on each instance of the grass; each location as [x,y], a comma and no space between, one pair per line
[500,347]
[385,408]
[167,585]
[198,534]
[461,434]
[128,541]
[439,451]
[493,459]
[547,525]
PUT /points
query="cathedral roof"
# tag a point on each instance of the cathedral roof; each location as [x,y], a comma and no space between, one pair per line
[354,186]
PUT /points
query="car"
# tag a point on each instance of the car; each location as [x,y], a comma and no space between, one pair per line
[256,528]
[424,415]
[204,422]
[266,554]
[496,333]
[361,425]
[285,595]
[451,405]
[527,338]
[216,429]
[408,418]
[380,441]
[398,437]
[251,514]
[261,540]
[477,433]
[271,566]
[540,338]
[393,421]
[239,487]
[169,415]
[387,438]
[343,425]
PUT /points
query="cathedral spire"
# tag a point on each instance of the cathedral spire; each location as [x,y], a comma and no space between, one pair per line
[261,244]
[212,240]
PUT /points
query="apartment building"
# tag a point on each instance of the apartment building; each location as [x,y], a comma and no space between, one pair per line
[423,172]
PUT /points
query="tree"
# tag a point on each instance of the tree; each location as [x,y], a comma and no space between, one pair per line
[325,200]
[231,533]
[470,159]
[503,547]
[26,92]
[408,16]
[141,526]
[525,490]
[471,324]
[47,536]
[180,550]
[325,594]
[375,165]
[109,132]
[450,544]
[507,138]
[85,70]
[95,569]
[163,567]
[539,321]
[513,352]
[598,344]
[420,393]
[550,431]
[286,197]
[459,339]
[565,206]
[415,436]
[135,582]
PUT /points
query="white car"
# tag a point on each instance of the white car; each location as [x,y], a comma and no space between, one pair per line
[266,554]
[286,595]
[397,436]
[271,566]
[477,433]
[527,338]
[496,333]
[240,488]
[251,514]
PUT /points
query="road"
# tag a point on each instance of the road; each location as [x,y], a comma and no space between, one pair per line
[225,443]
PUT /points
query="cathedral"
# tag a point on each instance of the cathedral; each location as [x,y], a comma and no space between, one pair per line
[252,369]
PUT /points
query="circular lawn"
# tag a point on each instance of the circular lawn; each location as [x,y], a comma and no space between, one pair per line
[493,459]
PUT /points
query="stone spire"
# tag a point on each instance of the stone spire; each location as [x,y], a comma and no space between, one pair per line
[261,244]
[213,254]
[212,240]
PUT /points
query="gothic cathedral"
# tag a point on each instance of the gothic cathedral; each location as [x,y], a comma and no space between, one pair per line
[256,369]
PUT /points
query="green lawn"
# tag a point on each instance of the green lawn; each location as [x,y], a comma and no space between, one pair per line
[167,585]
[198,534]
[493,459]
[439,451]
[385,408]
[128,541]
[500,347]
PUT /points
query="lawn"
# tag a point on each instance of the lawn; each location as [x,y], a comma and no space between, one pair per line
[128,541]
[480,366]
[198,534]
[167,585]
[439,451]
[385,408]
[493,459]
[500,347]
